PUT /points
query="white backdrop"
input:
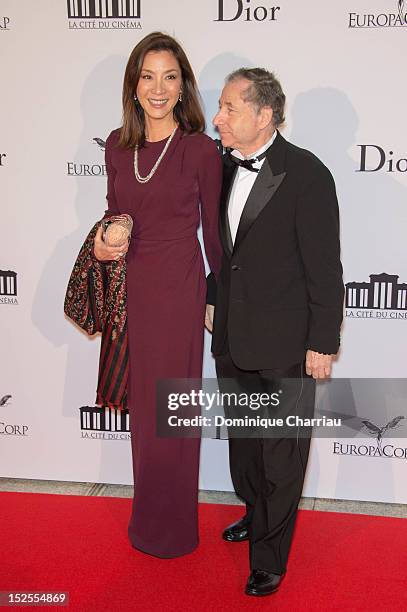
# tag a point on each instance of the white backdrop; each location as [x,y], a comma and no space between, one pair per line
[61,89]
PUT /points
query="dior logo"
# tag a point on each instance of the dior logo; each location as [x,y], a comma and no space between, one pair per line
[236,9]
[4,23]
[373,158]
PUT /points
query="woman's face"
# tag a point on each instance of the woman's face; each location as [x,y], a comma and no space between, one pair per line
[159,85]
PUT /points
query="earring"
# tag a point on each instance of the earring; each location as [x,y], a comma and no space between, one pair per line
[180,96]
[135,98]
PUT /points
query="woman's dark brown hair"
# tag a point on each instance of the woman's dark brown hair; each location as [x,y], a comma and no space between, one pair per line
[188,113]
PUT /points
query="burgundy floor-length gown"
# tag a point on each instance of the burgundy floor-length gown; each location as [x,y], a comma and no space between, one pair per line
[166,291]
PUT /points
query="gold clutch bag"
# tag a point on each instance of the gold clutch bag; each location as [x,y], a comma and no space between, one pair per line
[116,230]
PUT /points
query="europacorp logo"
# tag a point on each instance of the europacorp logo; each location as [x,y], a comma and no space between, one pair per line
[19,430]
[89,168]
[381,448]
[385,19]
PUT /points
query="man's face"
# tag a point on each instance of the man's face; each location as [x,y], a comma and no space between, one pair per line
[238,123]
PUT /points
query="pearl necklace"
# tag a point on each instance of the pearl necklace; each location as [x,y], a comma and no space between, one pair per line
[145,179]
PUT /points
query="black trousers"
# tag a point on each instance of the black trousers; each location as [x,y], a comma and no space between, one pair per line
[268,470]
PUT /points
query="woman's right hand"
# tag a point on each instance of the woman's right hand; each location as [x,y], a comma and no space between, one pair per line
[108,253]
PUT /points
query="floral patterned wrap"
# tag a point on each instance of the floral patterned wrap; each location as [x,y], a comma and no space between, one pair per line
[96,301]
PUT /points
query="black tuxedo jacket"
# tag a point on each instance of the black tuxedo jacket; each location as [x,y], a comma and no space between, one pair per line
[280,289]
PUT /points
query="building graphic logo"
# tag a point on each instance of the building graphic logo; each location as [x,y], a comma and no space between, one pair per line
[8,287]
[396,19]
[381,298]
[380,449]
[104,14]
[104,423]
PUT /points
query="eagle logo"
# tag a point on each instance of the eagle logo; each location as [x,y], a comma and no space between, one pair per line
[5,400]
[379,432]
[101,143]
[401,9]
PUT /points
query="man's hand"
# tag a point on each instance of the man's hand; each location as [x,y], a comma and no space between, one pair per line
[108,253]
[210,312]
[318,365]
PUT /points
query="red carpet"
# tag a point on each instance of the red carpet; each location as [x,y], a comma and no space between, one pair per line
[79,544]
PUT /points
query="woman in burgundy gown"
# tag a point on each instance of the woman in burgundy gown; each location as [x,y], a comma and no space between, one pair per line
[166,287]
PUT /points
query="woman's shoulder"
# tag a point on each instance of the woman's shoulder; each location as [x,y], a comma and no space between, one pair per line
[113,137]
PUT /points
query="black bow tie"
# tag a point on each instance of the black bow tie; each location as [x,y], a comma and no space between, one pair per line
[248,163]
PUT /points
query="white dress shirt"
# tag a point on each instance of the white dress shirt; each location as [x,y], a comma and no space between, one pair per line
[242,185]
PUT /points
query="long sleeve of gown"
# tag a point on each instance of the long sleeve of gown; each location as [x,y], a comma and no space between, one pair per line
[111,175]
[210,184]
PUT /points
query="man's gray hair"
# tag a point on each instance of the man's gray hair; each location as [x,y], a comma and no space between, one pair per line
[264,90]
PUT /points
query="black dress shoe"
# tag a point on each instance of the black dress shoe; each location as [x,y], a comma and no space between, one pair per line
[237,532]
[262,583]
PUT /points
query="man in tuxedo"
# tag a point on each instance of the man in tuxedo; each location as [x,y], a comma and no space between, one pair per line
[279,304]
